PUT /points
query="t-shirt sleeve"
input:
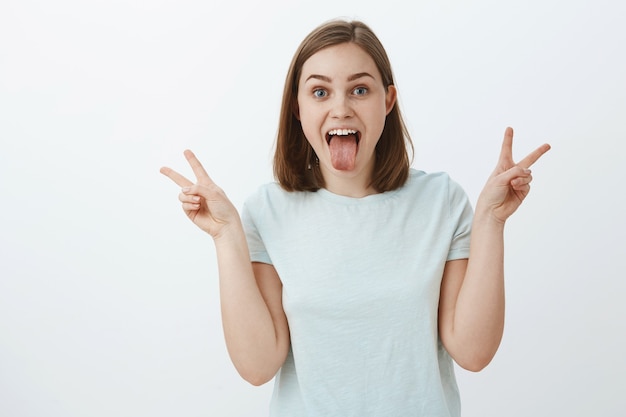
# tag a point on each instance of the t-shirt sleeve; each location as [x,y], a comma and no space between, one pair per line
[249,218]
[461,213]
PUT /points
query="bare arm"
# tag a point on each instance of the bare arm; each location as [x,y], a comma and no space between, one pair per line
[471,306]
[255,326]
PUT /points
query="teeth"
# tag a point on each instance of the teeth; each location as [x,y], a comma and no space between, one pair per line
[342,132]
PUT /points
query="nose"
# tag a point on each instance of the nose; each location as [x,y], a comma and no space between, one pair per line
[341,108]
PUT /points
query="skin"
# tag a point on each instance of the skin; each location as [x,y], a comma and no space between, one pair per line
[471,304]
[471,307]
[254,323]
[341,88]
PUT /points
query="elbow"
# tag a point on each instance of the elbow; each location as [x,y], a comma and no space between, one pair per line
[471,355]
[256,377]
[257,380]
[261,367]
[475,363]
[473,366]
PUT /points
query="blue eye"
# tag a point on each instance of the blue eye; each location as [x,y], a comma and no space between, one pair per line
[319,93]
[359,91]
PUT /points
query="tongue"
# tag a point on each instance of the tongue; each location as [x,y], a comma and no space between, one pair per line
[343,152]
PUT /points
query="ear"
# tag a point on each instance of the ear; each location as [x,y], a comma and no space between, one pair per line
[390,98]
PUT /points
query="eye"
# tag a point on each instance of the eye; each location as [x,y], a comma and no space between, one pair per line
[360,91]
[320,93]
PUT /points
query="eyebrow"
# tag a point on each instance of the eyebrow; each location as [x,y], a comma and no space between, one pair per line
[328,79]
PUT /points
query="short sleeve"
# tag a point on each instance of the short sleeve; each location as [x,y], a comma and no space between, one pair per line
[249,219]
[461,213]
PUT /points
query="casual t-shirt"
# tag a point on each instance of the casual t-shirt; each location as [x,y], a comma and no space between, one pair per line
[361,280]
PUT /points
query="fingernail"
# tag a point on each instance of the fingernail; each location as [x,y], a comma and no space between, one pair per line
[196,198]
[186,189]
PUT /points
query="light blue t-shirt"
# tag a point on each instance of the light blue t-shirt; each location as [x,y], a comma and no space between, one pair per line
[361,280]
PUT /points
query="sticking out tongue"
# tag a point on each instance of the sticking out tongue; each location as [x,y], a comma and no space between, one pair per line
[343,152]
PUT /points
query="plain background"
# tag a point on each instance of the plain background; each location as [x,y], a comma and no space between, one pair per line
[108,294]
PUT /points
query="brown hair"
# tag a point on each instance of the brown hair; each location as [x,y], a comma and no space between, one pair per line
[295,167]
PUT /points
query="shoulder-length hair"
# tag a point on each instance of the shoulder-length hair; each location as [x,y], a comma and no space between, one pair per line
[295,162]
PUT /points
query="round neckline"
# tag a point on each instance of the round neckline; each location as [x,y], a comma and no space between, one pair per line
[343,199]
[372,198]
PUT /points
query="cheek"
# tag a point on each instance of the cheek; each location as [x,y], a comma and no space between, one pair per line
[309,120]
[378,117]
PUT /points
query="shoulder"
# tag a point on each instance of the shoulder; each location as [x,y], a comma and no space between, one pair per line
[272,191]
[416,175]
[436,182]
[435,187]
[265,190]
[271,196]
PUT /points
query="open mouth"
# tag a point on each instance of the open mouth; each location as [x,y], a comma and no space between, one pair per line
[343,145]
[343,133]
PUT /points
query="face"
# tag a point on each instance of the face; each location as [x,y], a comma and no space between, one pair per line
[342,106]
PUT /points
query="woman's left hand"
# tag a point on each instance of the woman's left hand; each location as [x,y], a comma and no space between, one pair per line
[509,184]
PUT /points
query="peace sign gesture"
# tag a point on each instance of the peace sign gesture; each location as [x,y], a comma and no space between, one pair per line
[203,202]
[509,184]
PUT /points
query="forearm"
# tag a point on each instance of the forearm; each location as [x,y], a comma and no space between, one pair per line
[472,299]
[249,330]
[479,312]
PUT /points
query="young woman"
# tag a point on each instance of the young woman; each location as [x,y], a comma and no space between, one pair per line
[354,279]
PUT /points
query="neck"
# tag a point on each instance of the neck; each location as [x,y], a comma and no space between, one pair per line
[355,186]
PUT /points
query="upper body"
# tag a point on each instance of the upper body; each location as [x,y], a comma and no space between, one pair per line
[341,132]
[361,295]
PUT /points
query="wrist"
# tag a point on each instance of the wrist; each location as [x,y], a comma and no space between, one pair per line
[487,218]
[229,233]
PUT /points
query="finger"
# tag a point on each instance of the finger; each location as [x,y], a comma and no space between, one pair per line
[512,174]
[506,152]
[190,201]
[524,190]
[189,198]
[191,206]
[180,180]
[197,167]
[520,182]
[532,157]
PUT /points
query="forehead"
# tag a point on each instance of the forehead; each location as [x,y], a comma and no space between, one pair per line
[339,62]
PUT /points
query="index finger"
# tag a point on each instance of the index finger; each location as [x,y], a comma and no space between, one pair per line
[506,152]
[180,180]
[197,167]
[532,157]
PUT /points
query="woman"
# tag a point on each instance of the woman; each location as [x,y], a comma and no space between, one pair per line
[355,278]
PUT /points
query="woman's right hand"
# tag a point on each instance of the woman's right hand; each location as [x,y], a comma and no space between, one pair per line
[203,202]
